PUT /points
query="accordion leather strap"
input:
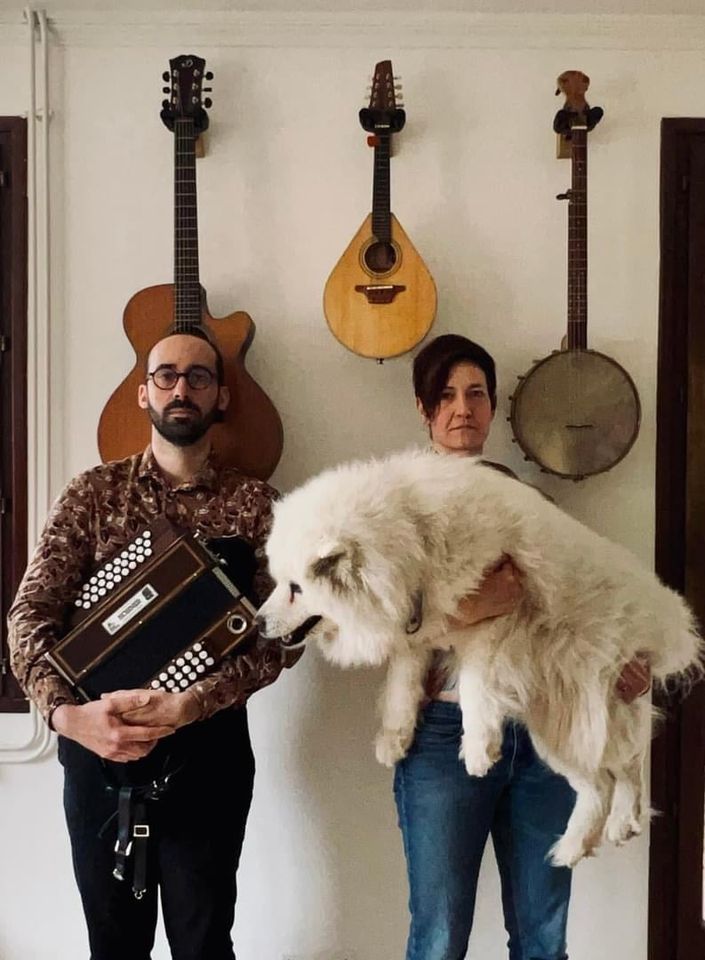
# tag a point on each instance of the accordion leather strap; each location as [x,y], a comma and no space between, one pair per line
[132,837]
[133,830]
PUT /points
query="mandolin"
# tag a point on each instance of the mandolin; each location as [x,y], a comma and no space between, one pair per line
[380,299]
[250,435]
[576,413]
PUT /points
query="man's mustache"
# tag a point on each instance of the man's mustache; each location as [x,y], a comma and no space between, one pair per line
[185,404]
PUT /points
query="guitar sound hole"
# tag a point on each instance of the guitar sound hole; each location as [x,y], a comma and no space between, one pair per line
[380,257]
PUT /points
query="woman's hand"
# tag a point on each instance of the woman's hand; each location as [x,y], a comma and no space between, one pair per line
[499,593]
[635,679]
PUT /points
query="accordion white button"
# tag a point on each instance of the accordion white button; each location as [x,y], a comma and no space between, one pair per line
[192,675]
[183,682]
[163,676]
[155,684]
[171,668]
[197,647]
[210,661]
[170,684]
[200,668]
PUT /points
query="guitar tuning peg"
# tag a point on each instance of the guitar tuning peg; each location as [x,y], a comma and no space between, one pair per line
[165,90]
[209,75]
[208,103]
[208,89]
[165,104]
[165,76]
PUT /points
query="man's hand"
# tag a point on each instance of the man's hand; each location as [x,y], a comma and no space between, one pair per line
[635,679]
[156,709]
[499,593]
[99,726]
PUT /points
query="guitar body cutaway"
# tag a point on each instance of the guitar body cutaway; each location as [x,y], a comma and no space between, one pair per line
[250,436]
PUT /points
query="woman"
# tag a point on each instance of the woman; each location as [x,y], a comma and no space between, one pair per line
[445,815]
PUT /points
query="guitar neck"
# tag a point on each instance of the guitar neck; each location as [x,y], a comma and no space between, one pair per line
[381,188]
[187,285]
[577,242]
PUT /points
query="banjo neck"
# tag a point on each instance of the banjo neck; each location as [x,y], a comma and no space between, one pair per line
[577,241]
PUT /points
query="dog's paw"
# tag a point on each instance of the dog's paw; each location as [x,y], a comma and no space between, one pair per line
[392,746]
[620,829]
[569,850]
[478,758]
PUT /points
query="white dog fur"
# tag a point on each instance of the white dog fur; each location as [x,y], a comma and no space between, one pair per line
[371,545]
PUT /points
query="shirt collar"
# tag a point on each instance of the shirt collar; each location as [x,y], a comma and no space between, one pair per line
[206,477]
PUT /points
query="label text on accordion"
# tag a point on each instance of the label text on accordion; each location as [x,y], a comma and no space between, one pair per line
[130,609]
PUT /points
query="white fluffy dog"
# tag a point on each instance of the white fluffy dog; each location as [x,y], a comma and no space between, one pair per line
[384,550]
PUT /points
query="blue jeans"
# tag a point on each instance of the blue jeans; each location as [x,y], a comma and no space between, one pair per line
[445,816]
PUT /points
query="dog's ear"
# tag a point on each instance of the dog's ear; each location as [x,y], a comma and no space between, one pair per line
[340,565]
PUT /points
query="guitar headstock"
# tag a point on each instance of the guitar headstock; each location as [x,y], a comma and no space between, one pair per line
[186,75]
[576,111]
[385,112]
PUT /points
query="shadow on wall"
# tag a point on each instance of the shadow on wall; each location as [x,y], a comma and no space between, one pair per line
[348,798]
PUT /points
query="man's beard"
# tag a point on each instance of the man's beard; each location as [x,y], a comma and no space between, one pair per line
[183,433]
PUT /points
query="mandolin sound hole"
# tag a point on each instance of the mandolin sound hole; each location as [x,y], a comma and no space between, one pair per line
[380,257]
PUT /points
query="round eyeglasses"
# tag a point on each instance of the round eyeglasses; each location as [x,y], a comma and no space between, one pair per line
[166,378]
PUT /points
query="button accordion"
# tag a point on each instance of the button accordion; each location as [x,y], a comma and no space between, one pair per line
[160,614]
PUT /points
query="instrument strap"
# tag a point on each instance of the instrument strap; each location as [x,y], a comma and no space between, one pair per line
[133,829]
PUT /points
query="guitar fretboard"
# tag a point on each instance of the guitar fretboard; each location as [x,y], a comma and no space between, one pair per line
[577,242]
[187,286]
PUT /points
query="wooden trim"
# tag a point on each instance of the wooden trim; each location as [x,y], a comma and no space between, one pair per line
[670,786]
[13,444]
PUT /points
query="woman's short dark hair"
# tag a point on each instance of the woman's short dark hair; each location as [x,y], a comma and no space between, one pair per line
[433,365]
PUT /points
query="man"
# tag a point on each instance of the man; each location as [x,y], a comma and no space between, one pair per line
[197,825]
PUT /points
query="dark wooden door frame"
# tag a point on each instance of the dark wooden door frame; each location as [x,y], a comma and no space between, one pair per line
[678,778]
[13,384]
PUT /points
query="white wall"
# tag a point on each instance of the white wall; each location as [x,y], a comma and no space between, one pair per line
[283,188]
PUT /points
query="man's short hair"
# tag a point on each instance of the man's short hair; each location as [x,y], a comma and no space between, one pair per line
[200,334]
[433,365]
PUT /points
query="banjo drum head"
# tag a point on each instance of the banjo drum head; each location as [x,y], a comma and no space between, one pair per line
[576,413]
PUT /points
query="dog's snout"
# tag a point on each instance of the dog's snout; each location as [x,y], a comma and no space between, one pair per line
[261,624]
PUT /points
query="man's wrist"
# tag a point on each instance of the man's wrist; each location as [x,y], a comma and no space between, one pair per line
[60,717]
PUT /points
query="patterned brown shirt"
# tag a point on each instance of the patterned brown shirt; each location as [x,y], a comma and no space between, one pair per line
[97,514]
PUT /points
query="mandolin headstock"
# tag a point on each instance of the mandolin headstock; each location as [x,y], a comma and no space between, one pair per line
[576,111]
[385,112]
[185,101]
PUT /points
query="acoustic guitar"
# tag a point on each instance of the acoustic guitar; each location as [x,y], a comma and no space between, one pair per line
[250,436]
[576,413]
[380,299]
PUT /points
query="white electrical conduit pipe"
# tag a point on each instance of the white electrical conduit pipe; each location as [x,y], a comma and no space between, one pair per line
[40,739]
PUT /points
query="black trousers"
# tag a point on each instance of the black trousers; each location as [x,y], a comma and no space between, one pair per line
[196,833]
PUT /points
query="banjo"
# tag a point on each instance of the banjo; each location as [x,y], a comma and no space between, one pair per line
[576,413]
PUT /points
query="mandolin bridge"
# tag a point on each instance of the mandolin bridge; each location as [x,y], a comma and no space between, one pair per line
[379,292]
